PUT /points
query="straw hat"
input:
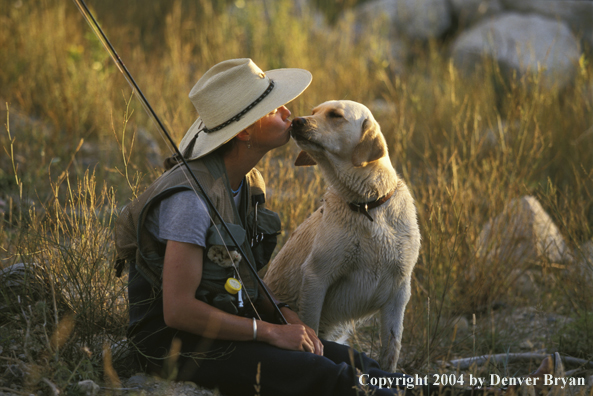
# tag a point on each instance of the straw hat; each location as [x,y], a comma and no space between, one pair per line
[231,96]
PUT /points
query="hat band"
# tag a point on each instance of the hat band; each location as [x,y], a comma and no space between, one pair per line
[243,112]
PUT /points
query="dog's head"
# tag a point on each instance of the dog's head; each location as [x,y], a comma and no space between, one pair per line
[340,131]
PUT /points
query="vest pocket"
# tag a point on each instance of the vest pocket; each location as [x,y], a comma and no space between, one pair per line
[219,256]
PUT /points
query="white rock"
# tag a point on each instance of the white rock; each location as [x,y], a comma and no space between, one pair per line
[525,43]
[462,324]
[578,15]
[522,233]
[89,387]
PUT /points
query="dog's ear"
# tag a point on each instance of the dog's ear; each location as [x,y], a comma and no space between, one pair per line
[304,159]
[371,146]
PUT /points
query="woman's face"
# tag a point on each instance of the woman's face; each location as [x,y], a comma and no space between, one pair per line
[271,131]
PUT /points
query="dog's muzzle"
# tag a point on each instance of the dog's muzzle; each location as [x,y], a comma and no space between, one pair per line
[298,127]
[298,122]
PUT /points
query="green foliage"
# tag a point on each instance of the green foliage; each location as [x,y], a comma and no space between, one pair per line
[576,337]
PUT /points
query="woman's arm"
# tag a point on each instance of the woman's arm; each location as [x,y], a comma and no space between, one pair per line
[292,318]
[182,273]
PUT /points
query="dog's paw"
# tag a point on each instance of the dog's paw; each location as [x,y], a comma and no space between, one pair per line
[225,258]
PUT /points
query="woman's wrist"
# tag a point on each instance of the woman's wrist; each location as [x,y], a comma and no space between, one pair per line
[254,329]
[263,331]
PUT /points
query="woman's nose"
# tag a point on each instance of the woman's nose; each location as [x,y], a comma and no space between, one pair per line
[285,111]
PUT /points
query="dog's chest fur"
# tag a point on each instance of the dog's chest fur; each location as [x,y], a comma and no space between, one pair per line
[374,260]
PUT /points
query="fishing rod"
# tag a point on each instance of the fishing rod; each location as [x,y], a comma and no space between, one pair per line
[88,16]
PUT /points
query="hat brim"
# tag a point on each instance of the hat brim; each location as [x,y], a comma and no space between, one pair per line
[288,85]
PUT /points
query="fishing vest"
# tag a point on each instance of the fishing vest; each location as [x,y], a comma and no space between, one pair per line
[254,227]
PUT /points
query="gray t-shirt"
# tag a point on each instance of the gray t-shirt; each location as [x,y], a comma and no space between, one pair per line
[181,217]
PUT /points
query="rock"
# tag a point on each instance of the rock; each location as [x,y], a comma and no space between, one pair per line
[468,12]
[522,233]
[526,345]
[503,132]
[416,19]
[88,387]
[150,147]
[525,283]
[23,125]
[92,153]
[14,373]
[138,380]
[141,383]
[584,260]
[462,324]
[522,43]
[381,107]
[121,349]
[578,15]
[3,207]
[25,281]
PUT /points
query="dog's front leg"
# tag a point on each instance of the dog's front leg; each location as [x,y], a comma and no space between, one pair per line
[312,294]
[392,327]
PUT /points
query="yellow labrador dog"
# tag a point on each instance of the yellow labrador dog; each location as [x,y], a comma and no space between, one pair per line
[354,256]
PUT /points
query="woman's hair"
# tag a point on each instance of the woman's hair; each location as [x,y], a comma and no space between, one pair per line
[225,148]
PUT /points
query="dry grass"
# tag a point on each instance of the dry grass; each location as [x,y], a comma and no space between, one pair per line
[61,87]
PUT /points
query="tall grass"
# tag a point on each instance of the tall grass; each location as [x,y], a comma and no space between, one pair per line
[70,108]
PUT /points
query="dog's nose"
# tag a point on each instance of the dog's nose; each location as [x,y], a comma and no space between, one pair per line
[298,122]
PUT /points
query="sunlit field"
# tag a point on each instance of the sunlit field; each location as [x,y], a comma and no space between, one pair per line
[77,147]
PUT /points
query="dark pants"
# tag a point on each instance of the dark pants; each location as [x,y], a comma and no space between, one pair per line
[248,368]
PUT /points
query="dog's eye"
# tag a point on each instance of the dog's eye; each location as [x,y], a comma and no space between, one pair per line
[335,114]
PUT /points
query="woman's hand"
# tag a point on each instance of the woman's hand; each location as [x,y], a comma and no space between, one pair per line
[292,318]
[292,337]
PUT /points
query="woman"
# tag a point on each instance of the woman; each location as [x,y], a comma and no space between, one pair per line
[187,319]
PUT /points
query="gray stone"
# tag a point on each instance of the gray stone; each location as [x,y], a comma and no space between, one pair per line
[23,125]
[522,233]
[416,19]
[468,12]
[138,380]
[527,344]
[584,260]
[525,283]
[371,11]
[88,387]
[503,132]
[578,15]
[121,349]
[462,324]
[25,281]
[382,107]
[522,43]
[149,147]
[14,373]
